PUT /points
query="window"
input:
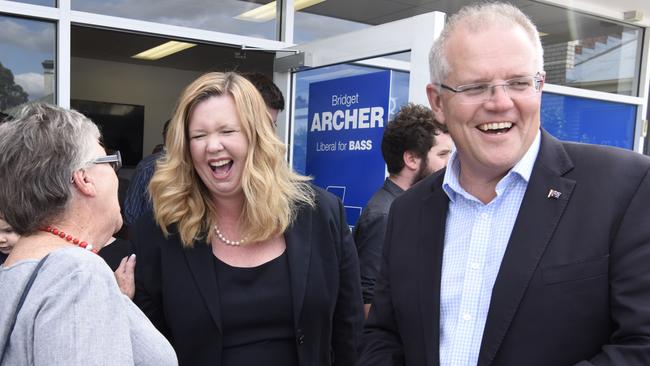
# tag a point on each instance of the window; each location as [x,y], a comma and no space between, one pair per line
[399,86]
[38,2]
[588,120]
[227,16]
[328,18]
[588,52]
[27,63]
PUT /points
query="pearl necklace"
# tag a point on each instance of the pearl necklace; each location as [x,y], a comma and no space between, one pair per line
[69,238]
[223,239]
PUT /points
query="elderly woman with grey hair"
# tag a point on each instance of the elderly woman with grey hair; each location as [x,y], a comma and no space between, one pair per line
[60,304]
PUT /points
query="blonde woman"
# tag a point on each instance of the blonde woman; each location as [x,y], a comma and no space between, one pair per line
[243,260]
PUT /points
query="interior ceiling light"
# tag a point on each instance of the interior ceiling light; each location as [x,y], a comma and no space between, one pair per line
[267,12]
[163,50]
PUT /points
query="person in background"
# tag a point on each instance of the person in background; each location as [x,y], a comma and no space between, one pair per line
[8,238]
[244,261]
[137,200]
[119,253]
[526,250]
[414,146]
[59,193]
[270,92]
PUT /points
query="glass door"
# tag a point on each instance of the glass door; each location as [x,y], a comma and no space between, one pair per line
[343,95]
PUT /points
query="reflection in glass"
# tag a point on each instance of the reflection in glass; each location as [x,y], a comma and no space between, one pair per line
[590,121]
[38,2]
[399,85]
[333,17]
[402,56]
[310,27]
[593,53]
[26,62]
[221,16]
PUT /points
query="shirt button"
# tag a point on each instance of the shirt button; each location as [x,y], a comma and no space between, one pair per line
[467,317]
[474,265]
[485,216]
[301,336]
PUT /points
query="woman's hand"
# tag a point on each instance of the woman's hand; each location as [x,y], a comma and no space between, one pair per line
[124,274]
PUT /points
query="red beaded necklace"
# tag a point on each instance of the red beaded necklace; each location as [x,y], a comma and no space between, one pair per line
[70,238]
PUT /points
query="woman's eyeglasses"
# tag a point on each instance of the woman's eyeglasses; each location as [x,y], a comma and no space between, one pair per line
[115,159]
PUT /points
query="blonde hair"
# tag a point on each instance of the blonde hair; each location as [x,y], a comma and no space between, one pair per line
[273,192]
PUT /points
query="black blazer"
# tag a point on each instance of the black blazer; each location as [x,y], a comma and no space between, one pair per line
[574,283]
[177,288]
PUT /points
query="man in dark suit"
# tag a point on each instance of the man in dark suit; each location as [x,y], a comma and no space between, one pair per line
[525,250]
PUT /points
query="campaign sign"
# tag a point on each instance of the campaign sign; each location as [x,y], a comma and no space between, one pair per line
[346,119]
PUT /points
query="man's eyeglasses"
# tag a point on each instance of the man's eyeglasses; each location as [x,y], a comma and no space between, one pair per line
[517,88]
[114,159]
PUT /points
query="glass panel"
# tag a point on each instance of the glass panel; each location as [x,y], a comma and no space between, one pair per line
[399,86]
[587,52]
[309,27]
[107,83]
[340,114]
[581,50]
[27,72]
[588,120]
[222,16]
[328,18]
[402,56]
[38,2]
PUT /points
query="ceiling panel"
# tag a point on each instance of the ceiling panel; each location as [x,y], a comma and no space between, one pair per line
[117,46]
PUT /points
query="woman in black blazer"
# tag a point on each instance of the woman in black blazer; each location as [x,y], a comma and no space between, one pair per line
[243,261]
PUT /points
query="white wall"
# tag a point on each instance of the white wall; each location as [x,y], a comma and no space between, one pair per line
[156,88]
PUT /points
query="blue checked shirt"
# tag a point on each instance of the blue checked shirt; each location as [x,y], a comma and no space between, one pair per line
[476,237]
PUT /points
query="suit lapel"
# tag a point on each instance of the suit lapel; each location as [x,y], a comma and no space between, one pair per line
[536,222]
[200,260]
[429,258]
[299,238]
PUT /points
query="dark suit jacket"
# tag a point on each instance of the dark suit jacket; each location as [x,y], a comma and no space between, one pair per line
[177,288]
[574,283]
[369,235]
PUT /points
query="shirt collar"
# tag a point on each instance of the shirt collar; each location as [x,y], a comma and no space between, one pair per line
[392,187]
[523,168]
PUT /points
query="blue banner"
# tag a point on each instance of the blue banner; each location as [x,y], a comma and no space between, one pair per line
[590,121]
[346,119]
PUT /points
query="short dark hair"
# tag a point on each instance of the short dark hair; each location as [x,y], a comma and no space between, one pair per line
[413,129]
[271,94]
[165,128]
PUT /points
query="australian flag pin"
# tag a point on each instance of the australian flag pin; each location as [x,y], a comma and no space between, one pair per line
[552,193]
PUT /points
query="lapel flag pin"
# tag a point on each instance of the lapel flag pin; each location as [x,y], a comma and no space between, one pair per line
[552,193]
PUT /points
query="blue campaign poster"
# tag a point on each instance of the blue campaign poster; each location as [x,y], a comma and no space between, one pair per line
[346,119]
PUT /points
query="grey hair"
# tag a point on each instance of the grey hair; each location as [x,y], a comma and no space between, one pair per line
[40,149]
[478,17]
